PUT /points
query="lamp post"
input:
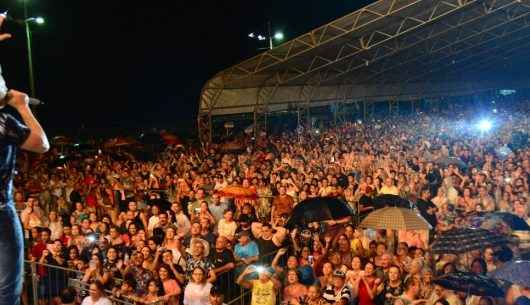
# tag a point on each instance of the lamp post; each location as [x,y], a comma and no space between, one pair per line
[278,36]
[27,21]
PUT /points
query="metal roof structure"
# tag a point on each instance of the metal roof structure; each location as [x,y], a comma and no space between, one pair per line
[386,51]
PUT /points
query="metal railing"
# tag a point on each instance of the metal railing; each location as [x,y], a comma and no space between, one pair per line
[244,295]
[43,284]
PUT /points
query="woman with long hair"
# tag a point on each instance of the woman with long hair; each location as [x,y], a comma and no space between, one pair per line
[327,274]
[154,292]
[366,285]
[197,291]
[355,271]
[96,272]
[171,286]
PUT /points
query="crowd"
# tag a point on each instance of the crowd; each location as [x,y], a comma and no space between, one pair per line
[165,231]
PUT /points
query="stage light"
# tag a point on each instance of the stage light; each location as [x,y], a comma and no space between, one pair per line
[484,125]
[251,35]
[494,110]
[278,36]
[261,37]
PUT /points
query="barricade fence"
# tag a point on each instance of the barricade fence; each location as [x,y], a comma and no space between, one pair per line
[43,284]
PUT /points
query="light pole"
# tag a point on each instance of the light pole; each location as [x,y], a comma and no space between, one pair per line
[27,21]
[278,36]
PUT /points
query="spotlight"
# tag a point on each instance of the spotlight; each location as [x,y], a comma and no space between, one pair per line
[484,125]
[278,36]
[251,35]
[261,37]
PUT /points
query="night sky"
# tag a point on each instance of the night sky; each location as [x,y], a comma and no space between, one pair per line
[142,63]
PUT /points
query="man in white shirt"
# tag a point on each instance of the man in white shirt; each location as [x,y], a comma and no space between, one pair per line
[181,220]
[96,296]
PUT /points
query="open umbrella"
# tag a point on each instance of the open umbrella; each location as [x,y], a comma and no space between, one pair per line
[498,222]
[394,218]
[511,220]
[516,272]
[238,192]
[470,283]
[462,240]
[388,200]
[318,209]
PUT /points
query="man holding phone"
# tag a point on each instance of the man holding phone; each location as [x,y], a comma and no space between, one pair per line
[29,136]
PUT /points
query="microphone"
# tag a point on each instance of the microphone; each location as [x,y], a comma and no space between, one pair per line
[31,101]
[34,102]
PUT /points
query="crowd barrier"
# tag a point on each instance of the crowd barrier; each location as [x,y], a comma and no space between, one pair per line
[43,284]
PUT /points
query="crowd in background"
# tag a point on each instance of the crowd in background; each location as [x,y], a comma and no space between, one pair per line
[164,230]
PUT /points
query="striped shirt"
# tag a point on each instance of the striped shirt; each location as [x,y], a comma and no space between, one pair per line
[331,296]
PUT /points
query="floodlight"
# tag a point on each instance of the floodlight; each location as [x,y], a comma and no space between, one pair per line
[278,36]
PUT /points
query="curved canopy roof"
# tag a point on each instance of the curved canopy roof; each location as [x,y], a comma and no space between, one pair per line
[390,49]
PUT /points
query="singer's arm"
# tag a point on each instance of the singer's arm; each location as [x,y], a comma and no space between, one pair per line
[37,140]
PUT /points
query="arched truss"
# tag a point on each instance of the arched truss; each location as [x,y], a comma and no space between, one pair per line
[386,51]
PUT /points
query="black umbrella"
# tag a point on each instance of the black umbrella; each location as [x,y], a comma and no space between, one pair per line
[470,283]
[318,209]
[387,200]
[463,240]
[513,221]
[516,272]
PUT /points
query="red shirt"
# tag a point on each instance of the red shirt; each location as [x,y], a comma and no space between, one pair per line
[37,250]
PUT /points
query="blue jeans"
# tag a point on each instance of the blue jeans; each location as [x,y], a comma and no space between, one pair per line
[11,256]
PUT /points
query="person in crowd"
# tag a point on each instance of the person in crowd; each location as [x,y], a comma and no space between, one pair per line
[68,296]
[197,291]
[216,297]
[141,237]
[246,250]
[294,290]
[96,295]
[338,292]
[263,289]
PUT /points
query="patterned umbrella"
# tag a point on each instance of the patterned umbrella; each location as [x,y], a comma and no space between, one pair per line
[470,283]
[516,272]
[395,219]
[462,240]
